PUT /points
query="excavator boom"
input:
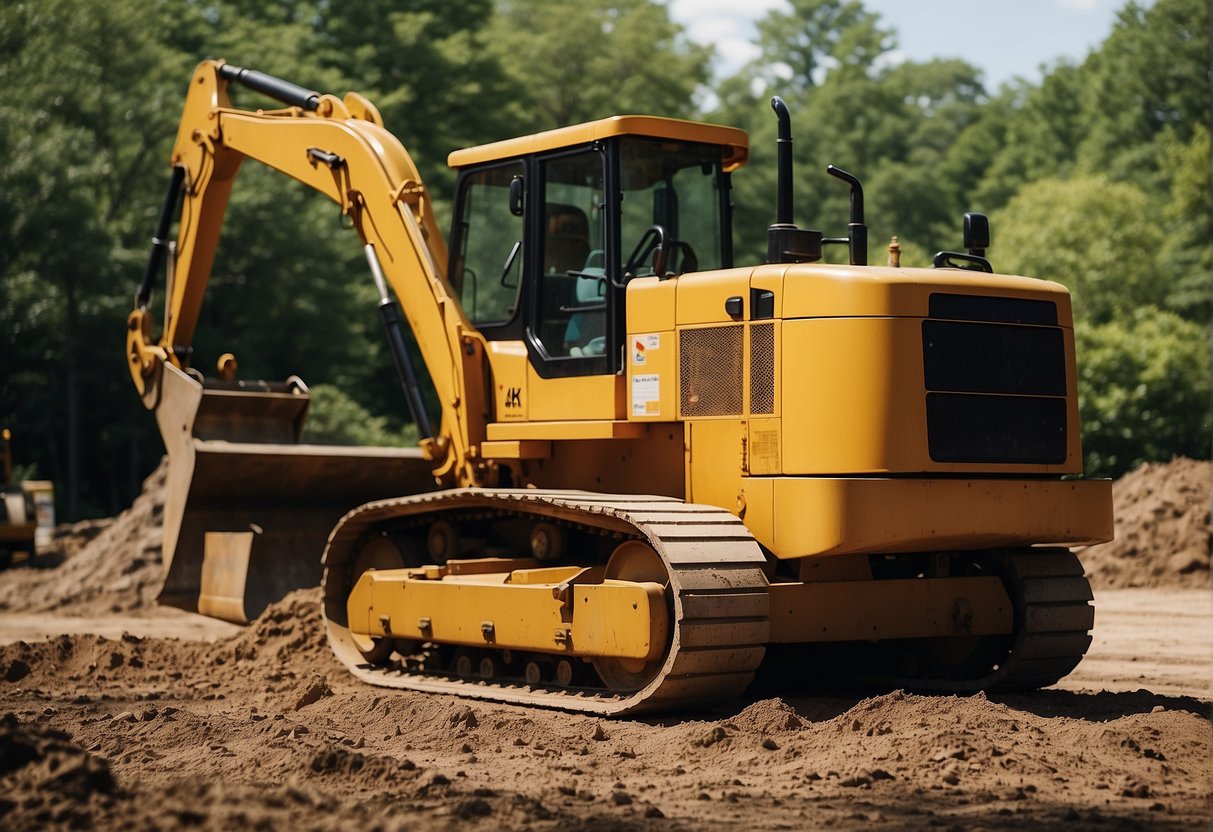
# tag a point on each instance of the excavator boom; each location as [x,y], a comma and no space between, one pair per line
[246,500]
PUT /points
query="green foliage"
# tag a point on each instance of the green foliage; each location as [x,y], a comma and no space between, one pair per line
[82,124]
[1187,256]
[891,125]
[580,60]
[814,38]
[336,419]
[430,68]
[1146,82]
[1091,234]
[1144,390]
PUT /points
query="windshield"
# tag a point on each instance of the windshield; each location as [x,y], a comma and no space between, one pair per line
[675,185]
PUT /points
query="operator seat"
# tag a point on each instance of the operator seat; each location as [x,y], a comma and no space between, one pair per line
[568,239]
[582,295]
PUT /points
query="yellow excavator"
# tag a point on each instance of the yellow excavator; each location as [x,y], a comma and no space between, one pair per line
[653,469]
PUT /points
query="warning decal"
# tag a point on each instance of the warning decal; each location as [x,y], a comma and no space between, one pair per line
[642,345]
[646,395]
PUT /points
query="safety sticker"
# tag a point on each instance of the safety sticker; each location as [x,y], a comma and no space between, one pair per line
[642,345]
[646,395]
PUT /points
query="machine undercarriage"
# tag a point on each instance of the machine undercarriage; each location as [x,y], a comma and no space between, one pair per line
[712,608]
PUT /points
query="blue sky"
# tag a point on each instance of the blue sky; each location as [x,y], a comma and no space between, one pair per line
[1004,38]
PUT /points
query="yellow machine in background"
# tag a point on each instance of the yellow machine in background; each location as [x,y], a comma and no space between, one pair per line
[27,510]
[651,464]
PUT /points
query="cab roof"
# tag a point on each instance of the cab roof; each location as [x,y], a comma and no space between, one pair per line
[735,142]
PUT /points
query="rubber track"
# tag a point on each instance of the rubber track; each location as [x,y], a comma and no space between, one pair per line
[720,599]
[1053,620]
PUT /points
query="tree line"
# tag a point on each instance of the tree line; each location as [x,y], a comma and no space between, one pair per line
[1096,176]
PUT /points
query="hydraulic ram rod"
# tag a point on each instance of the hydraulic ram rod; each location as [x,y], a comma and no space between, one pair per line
[394,326]
[275,88]
[160,241]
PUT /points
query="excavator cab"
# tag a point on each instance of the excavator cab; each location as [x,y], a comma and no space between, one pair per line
[601,203]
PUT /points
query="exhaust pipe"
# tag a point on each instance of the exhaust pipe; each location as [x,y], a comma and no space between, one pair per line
[783,161]
[785,242]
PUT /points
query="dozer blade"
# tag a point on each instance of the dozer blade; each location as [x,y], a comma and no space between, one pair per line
[247,509]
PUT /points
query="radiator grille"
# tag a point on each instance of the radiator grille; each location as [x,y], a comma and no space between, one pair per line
[993,358]
[762,368]
[984,308]
[994,392]
[710,372]
[974,428]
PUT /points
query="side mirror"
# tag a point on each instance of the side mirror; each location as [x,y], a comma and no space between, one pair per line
[517,190]
[976,233]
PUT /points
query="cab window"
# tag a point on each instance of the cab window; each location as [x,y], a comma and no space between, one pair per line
[677,185]
[572,287]
[487,267]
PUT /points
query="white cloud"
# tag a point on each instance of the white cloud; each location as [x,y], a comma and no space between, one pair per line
[891,58]
[1080,6]
[724,24]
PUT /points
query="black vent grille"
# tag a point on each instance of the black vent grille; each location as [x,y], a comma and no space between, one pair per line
[762,368]
[995,392]
[984,308]
[968,428]
[993,358]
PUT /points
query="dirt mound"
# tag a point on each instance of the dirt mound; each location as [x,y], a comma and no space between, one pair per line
[49,782]
[289,634]
[1163,531]
[108,566]
[68,539]
[46,780]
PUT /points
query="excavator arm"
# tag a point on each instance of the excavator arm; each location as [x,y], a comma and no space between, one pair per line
[339,148]
[248,507]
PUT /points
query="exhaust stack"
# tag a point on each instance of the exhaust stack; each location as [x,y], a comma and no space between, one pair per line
[786,243]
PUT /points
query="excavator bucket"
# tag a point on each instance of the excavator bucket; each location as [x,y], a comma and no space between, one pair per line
[248,509]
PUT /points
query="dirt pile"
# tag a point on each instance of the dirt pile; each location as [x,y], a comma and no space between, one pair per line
[46,780]
[69,538]
[289,635]
[108,567]
[1163,531]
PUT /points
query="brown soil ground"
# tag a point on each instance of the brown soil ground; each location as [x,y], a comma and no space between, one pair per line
[259,727]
